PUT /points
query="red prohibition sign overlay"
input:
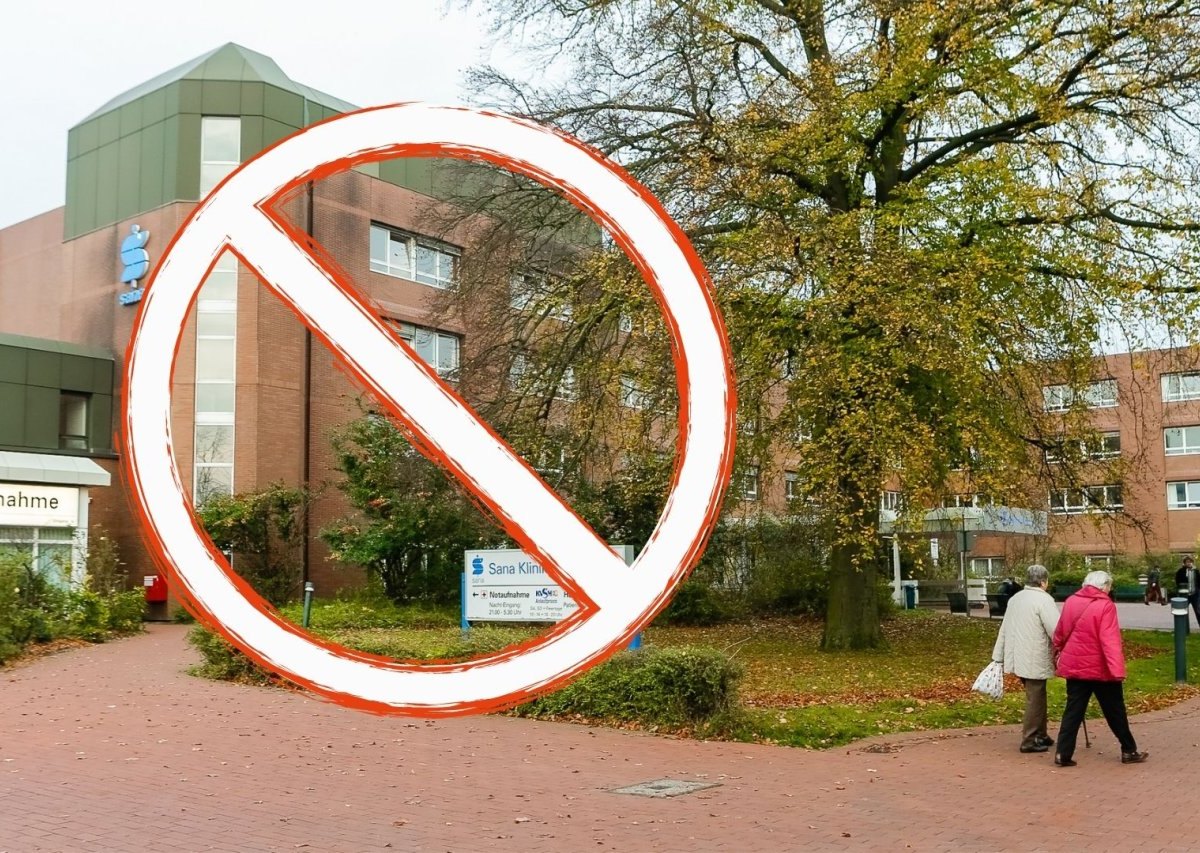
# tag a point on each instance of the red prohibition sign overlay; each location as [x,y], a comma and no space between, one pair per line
[616,601]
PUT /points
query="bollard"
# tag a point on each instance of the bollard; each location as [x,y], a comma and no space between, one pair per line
[308,591]
[1179,609]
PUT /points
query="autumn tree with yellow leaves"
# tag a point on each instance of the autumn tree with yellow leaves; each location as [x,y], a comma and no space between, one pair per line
[919,207]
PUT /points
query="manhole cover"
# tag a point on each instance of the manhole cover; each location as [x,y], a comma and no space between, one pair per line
[665,788]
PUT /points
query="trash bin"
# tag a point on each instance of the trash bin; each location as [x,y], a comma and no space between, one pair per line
[910,595]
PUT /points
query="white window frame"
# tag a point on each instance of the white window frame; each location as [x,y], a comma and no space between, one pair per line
[1179,387]
[975,499]
[42,543]
[632,395]
[227,268]
[228,165]
[566,390]
[1093,449]
[1189,440]
[1191,494]
[408,333]
[990,566]
[750,484]
[791,486]
[1100,394]
[531,290]
[1103,561]
[450,255]
[1089,499]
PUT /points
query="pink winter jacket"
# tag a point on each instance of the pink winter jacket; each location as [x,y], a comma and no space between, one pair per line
[1088,638]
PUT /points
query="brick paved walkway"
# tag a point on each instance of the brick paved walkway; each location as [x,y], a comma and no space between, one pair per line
[114,748]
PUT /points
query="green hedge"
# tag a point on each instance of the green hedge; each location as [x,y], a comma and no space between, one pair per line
[651,686]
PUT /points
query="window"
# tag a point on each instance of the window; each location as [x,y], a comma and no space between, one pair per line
[787,365]
[1181,441]
[975,500]
[1105,445]
[541,292]
[72,421]
[1101,394]
[405,256]
[791,485]
[519,378]
[803,431]
[967,458]
[565,390]
[987,567]
[890,501]
[220,150]
[440,350]
[551,462]
[1087,499]
[1177,387]
[750,483]
[632,395]
[1098,561]
[216,381]
[1183,495]
[49,550]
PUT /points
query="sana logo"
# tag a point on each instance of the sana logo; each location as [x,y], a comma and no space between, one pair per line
[477,566]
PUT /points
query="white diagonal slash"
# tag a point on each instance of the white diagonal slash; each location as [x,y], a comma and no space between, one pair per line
[618,600]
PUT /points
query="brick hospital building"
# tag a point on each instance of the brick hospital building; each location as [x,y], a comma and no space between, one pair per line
[255,398]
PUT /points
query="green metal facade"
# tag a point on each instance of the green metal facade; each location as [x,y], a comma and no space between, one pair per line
[146,153]
[33,374]
[142,150]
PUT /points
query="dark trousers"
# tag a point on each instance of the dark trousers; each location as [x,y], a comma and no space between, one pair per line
[1111,696]
[1034,724]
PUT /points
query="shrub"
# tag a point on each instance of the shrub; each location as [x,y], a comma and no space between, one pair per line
[34,610]
[371,609]
[264,531]
[222,661]
[652,686]
[696,604]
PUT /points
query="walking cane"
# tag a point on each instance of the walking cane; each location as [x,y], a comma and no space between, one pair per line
[1086,741]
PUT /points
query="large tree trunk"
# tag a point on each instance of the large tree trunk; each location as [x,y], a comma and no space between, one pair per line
[852,620]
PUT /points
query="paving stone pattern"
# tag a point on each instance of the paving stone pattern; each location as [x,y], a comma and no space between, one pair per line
[115,748]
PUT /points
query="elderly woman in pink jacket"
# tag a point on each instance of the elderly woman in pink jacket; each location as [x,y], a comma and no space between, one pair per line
[1088,643]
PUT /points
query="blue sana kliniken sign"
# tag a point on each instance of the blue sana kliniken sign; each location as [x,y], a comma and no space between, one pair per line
[511,586]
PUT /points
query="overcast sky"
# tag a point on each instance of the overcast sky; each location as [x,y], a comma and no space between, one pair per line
[58,66]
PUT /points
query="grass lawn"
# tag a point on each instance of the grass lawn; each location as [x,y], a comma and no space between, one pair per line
[794,694]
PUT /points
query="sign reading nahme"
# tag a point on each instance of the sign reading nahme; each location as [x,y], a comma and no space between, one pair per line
[23,505]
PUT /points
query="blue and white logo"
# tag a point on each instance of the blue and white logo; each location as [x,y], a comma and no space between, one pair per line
[136,262]
[477,566]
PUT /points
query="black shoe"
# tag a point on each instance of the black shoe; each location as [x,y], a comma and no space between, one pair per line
[1037,747]
[1045,740]
[1134,757]
[1059,761]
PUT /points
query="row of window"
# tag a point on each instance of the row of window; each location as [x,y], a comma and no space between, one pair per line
[994,567]
[1089,499]
[1102,394]
[1177,441]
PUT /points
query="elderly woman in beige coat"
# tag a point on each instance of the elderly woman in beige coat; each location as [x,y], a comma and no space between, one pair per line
[1025,648]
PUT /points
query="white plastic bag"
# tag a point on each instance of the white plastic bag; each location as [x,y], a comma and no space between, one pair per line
[991,681]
